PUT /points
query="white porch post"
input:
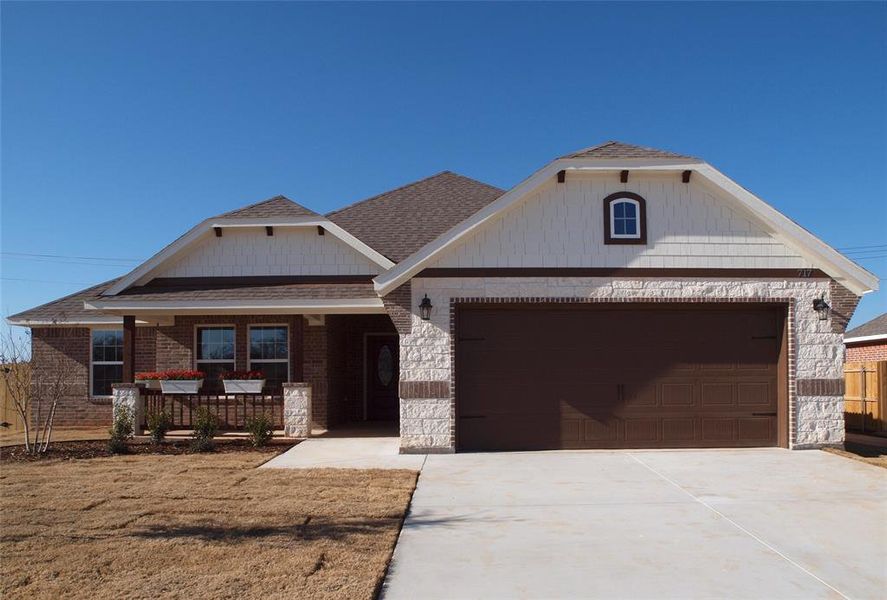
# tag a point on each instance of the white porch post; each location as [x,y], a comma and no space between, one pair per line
[129,395]
[297,410]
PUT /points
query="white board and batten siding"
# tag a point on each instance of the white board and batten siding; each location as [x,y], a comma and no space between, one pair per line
[689,225]
[250,251]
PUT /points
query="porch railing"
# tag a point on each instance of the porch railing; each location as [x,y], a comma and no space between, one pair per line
[232,410]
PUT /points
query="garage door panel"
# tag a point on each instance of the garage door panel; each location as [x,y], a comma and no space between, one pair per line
[633,377]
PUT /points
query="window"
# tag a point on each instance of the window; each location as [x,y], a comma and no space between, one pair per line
[215,353]
[107,360]
[625,217]
[269,353]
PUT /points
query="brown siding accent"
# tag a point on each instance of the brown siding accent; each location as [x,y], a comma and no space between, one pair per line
[398,305]
[843,306]
[424,389]
[626,272]
[820,387]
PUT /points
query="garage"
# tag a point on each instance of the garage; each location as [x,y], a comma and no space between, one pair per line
[573,376]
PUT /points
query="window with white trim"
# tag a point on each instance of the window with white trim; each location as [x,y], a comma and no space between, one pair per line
[624,219]
[269,353]
[106,360]
[215,352]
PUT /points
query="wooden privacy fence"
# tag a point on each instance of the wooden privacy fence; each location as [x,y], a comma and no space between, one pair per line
[8,414]
[865,396]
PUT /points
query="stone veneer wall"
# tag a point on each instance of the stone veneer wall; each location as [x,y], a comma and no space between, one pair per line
[816,405]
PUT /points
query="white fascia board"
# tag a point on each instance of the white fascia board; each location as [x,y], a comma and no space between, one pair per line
[98,320]
[854,277]
[866,338]
[204,227]
[185,307]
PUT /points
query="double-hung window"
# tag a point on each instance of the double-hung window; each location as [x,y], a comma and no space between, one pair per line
[106,356]
[269,353]
[215,352]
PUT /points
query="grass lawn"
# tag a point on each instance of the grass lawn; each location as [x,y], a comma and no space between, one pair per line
[195,526]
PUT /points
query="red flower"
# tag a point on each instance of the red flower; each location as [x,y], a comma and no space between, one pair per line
[241,375]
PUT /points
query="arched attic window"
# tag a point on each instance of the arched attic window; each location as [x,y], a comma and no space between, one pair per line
[625,219]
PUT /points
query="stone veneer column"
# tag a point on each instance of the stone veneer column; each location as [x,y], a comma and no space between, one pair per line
[128,395]
[297,410]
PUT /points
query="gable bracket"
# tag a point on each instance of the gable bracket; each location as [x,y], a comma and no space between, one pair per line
[685,176]
[623,176]
[269,230]
[561,176]
[218,231]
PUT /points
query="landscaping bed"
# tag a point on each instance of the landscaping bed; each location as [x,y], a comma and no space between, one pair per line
[99,448]
[196,525]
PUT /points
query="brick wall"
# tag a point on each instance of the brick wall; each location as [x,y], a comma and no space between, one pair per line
[68,348]
[843,303]
[314,346]
[865,352]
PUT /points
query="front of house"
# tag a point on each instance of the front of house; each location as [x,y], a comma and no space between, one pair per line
[619,297]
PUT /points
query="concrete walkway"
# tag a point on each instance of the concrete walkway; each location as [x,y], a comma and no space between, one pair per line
[680,524]
[347,453]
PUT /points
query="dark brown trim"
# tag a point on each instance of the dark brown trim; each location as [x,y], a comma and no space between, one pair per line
[129,348]
[623,176]
[561,176]
[252,280]
[642,219]
[820,387]
[320,230]
[424,389]
[218,231]
[269,230]
[685,176]
[626,272]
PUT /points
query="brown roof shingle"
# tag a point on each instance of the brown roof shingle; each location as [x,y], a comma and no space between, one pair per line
[68,308]
[278,206]
[399,222]
[246,288]
[614,149]
[877,326]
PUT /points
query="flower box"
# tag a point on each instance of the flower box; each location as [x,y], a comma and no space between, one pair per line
[150,379]
[180,386]
[243,386]
[150,384]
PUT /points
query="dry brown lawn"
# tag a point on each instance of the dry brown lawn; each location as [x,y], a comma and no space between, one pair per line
[864,453]
[195,526]
[67,434]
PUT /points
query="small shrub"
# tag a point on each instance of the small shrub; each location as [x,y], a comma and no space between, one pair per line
[159,423]
[205,426]
[260,430]
[121,430]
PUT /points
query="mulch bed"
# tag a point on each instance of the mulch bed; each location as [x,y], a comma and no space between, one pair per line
[99,449]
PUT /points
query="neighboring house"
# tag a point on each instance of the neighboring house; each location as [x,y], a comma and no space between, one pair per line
[618,297]
[868,341]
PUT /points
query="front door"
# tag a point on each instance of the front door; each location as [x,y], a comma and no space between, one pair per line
[382,376]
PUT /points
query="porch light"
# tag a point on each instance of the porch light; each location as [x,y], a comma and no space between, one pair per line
[821,307]
[425,308]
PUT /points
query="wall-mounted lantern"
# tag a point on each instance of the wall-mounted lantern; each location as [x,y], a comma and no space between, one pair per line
[822,308]
[425,308]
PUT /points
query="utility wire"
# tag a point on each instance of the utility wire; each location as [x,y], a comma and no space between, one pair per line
[72,257]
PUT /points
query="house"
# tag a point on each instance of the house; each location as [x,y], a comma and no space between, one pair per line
[618,297]
[868,342]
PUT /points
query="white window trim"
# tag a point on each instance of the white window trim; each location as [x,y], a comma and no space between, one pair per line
[637,219]
[249,358]
[100,362]
[195,361]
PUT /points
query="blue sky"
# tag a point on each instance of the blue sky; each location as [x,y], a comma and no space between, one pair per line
[124,124]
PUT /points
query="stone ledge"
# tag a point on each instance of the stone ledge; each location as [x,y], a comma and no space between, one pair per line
[417,450]
[296,385]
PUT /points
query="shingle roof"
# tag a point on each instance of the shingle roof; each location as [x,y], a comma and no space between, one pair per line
[399,222]
[877,326]
[240,288]
[68,308]
[614,149]
[278,206]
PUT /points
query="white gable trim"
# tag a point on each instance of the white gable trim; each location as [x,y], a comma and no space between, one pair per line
[865,338]
[832,262]
[197,232]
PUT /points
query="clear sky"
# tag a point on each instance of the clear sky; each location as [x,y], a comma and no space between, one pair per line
[124,124]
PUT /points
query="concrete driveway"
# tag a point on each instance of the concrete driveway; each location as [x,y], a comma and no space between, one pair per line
[681,524]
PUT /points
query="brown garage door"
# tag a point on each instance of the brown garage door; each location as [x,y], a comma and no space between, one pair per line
[606,376]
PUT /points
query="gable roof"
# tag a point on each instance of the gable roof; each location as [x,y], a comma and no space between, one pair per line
[832,262]
[67,310]
[399,222]
[871,330]
[614,149]
[278,206]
